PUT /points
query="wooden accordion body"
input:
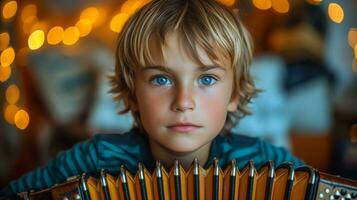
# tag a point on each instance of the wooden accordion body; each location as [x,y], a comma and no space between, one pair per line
[283,182]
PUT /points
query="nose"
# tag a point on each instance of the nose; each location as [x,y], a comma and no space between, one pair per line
[183,99]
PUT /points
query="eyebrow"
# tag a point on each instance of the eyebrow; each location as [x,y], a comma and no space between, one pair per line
[166,69]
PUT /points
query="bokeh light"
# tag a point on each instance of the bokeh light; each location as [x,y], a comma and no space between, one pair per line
[36,39]
[281,6]
[227,2]
[144,2]
[7,56]
[131,6]
[5,73]
[102,17]
[262,4]
[10,112]
[55,35]
[335,12]
[22,119]
[118,21]
[29,23]
[352,37]
[12,94]
[91,14]
[9,9]
[4,40]
[29,10]
[40,25]
[355,51]
[70,35]
[84,26]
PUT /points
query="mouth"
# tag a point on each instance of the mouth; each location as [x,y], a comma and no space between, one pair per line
[184,128]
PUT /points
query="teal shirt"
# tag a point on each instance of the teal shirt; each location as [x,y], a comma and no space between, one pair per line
[110,151]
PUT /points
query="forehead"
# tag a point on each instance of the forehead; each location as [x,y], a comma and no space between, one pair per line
[174,48]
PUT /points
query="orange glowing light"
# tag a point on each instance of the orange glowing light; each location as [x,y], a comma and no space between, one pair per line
[118,21]
[71,35]
[10,112]
[4,40]
[36,39]
[29,10]
[262,4]
[335,12]
[145,2]
[9,9]
[352,37]
[131,6]
[84,26]
[281,6]
[40,25]
[356,51]
[127,5]
[90,14]
[102,17]
[5,73]
[12,94]
[7,57]
[29,23]
[22,119]
[227,2]
[55,35]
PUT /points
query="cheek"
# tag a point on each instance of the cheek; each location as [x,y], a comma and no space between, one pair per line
[214,103]
[151,104]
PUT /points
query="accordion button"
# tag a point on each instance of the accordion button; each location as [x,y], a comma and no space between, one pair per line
[321,195]
[343,192]
[327,190]
[77,197]
[354,195]
[348,196]
[337,194]
[331,197]
[65,198]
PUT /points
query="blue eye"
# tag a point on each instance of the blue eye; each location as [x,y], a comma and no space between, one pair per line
[208,80]
[160,80]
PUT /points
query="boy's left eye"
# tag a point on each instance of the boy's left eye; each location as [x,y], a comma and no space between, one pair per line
[207,80]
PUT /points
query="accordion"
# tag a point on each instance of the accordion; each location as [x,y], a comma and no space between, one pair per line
[282,182]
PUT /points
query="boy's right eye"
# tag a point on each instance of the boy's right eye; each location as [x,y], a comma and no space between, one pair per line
[160,80]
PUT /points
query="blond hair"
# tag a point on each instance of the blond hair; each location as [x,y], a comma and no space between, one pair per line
[204,23]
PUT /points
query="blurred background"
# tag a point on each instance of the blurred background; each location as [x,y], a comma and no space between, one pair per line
[56,56]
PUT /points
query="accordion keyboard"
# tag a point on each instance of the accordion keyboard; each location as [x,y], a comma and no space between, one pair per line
[267,183]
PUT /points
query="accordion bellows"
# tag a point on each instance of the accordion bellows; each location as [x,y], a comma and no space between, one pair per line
[283,182]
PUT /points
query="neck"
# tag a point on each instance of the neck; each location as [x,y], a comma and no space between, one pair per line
[185,159]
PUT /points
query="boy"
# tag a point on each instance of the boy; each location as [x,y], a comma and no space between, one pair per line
[183,71]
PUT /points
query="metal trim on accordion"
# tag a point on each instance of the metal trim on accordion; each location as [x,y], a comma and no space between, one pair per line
[282,182]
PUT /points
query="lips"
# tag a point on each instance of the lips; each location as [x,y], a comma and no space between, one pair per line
[184,127]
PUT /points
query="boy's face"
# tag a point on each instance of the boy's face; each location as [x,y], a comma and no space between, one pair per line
[188,93]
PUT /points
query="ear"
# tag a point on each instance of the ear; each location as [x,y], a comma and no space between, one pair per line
[233,104]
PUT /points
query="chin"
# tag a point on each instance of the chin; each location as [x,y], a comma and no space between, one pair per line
[182,148]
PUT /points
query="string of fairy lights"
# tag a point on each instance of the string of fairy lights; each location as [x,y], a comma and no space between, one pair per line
[40,31]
